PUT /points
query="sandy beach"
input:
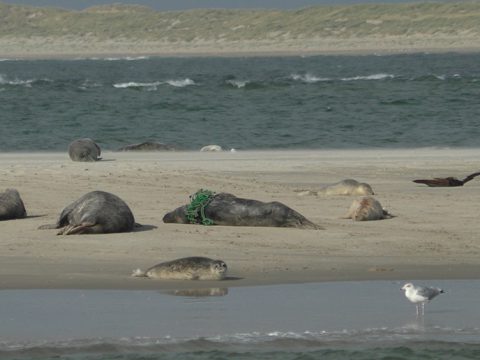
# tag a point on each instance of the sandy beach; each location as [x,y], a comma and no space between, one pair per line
[434,233]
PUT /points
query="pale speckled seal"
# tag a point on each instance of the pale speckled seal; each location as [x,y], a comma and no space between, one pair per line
[227,209]
[344,187]
[96,212]
[148,146]
[84,150]
[211,148]
[367,208]
[11,205]
[189,268]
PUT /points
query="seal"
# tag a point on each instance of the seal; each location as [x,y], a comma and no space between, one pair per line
[189,268]
[148,146]
[96,212]
[84,150]
[344,187]
[11,205]
[227,209]
[367,208]
[211,148]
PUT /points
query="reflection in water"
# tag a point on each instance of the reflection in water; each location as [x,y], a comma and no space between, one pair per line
[199,292]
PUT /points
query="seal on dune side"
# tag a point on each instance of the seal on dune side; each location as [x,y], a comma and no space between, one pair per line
[96,212]
[11,205]
[211,148]
[84,150]
[367,208]
[189,268]
[148,146]
[344,187]
[227,209]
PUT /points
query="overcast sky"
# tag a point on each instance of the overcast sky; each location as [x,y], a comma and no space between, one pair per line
[195,4]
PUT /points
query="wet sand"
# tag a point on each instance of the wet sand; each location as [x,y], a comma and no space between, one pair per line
[434,233]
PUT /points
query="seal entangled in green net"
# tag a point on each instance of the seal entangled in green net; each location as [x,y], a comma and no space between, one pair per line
[196,208]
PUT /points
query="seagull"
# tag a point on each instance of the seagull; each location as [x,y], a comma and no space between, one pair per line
[420,295]
[445,182]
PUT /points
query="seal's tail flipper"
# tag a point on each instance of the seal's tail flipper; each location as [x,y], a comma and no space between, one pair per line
[433,182]
[139,273]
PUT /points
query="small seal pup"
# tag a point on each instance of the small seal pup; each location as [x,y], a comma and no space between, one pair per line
[96,212]
[227,209]
[148,146]
[211,148]
[367,208]
[84,150]
[11,205]
[344,187]
[189,268]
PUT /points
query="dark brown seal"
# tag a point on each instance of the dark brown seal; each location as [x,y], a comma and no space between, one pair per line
[446,182]
[227,209]
[148,146]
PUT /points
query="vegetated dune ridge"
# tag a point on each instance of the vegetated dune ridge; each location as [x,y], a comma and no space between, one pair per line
[136,30]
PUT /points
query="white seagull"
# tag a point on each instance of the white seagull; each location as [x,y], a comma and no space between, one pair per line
[420,295]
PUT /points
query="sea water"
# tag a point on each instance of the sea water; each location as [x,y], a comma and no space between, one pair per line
[316,102]
[338,320]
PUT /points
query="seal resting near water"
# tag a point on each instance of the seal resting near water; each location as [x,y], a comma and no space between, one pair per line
[211,148]
[227,209]
[148,146]
[11,205]
[189,268]
[344,187]
[84,150]
[96,212]
[367,208]
[446,182]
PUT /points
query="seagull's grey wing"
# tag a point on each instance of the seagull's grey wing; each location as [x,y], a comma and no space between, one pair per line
[428,292]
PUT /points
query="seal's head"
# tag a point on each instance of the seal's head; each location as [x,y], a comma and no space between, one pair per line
[177,216]
[219,268]
[364,189]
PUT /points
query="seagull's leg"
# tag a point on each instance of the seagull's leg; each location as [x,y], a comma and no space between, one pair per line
[416,305]
[423,308]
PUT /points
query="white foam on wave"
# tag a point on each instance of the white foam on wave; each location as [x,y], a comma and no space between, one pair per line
[181,82]
[308,78]
[380,76]
[5,81]
[238,83]
[136,85]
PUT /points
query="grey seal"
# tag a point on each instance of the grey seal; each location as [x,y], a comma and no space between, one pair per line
[96,212]
[344,187]
[227,209]
[367,208]
[84,150]
[148,146]
[11,205]
[189,268]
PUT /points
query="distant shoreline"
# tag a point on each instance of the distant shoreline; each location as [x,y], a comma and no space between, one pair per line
[42,48]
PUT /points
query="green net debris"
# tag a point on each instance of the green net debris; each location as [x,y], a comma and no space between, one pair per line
[196,208]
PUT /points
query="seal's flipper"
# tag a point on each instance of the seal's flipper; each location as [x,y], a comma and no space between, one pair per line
[77,229]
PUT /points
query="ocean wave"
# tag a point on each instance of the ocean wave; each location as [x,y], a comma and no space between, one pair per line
[239,84]
[308,78]
[181,82]
[4,80]
[137,85]
[380,76]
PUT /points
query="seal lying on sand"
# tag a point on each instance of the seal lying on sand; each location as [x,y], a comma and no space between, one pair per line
[84,150]
[227,209]
[148,146]
[344,187]
[446,182]
[189,268]
[367,208]
[211,148]
[96,212]
[11,205]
